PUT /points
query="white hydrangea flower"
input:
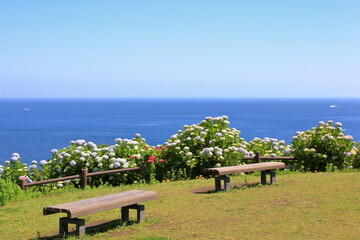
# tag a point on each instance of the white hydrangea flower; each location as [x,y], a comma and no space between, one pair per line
[188,154]
[218,153]
[91,145]
[54,151]
[80,142]
[72,163]
[82,159]
[32,167]
[43,162]
[287,151]
[117,165]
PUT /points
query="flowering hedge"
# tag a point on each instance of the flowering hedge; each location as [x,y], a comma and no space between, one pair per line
[269,147]
[325,147]
[207,144]
[185,155]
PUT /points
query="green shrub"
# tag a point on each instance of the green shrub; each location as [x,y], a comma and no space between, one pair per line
[356,162]
[207,144]
[325,147]
[268,147]
[9,191]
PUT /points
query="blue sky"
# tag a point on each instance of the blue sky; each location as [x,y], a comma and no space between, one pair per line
[185,49]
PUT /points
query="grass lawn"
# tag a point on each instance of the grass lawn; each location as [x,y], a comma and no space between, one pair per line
[299,206]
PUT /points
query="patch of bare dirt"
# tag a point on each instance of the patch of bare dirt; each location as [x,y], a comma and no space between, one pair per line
[209,189]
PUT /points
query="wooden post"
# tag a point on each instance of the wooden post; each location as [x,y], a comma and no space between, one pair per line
[273,177]
[83,177]
[22,184]
[263,177]
[257,157]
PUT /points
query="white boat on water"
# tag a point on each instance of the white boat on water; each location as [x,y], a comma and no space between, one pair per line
[333,106]
[27,109]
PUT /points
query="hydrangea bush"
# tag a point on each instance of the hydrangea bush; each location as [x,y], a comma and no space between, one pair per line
[207,144]
[125,153]
[356,152]
[269,147]
[14,169]
[325,147]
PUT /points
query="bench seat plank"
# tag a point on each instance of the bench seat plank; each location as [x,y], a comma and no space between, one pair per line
[246,168]
[103,203]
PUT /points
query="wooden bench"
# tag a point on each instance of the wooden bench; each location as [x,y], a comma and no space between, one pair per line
[125,200]
[264,167]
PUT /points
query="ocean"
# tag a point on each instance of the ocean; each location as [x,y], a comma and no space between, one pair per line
[32,127]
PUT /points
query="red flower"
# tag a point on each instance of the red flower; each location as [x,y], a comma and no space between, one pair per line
[147,147]
[22,178]
[152,157]
[132,156]
[157,148]
[150,160]
[161,160]
[165,146]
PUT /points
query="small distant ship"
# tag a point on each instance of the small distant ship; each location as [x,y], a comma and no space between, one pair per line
[333,106]
[27,109]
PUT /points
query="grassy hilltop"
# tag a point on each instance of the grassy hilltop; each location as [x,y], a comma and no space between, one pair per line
[299,206]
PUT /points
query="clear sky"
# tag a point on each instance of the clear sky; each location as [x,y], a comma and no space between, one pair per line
[194,48]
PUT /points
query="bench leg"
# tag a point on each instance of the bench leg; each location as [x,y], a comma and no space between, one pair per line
[272,177]
[272,174]
[263,177]
[64,226]
[218,183]
[140,212]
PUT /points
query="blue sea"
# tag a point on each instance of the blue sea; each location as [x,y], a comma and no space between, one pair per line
[32,127]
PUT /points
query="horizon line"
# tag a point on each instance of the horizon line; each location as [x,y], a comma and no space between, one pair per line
[174,98]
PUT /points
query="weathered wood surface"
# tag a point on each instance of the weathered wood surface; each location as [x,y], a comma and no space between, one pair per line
[103,203]
[245,168]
